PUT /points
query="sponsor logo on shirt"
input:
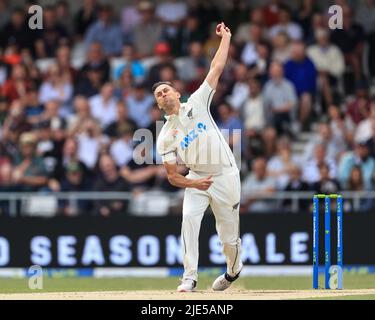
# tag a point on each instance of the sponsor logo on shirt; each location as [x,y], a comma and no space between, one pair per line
[192,135]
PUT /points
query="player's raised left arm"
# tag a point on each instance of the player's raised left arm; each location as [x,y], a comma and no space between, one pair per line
[220,58]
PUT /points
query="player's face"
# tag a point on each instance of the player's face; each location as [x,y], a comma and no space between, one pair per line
[166,97]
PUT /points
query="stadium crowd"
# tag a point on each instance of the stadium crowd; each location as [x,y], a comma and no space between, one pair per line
[73,93]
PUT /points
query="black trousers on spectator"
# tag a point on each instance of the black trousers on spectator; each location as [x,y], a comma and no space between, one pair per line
[282,122]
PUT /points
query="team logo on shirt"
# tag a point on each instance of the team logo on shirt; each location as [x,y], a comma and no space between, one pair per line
[190,114]
[192,135]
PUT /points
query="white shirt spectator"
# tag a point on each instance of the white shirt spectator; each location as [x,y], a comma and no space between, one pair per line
[88,150]
[253,113]
[364,131]
[172,11]
[251,186]
[277,164]
[328,59]
[121,151]
[139,109]
[104,112]
[239,95]
[63,94]
[293,30]
[249,54]
[311,170]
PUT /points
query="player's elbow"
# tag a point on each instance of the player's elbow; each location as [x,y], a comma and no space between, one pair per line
[217,68]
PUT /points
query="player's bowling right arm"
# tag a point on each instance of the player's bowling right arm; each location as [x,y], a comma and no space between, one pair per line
[180,181]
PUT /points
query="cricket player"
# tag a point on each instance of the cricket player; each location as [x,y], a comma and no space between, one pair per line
[191,134]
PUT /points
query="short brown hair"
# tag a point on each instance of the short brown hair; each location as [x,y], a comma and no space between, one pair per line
[157,84]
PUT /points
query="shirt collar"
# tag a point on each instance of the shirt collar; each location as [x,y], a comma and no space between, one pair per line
[173,116]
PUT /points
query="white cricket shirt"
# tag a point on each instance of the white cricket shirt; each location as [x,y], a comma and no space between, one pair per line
[194,136]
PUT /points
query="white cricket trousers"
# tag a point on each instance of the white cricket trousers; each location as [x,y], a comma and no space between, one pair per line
[223,196]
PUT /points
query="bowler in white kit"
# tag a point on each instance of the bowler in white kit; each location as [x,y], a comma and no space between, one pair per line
[213,179]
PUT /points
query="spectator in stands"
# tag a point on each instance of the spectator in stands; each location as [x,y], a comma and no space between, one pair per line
[172,14]
[5,178]
[326,184]
[356,183]
[163,58]
[68,157]
[110,180]
[359,157]
[171,11]
[64,17]
[281,47]
[74,180]
[366,128]
[51,36]
[242,34]
[91,83]
[4,13]
[17,85]
[103,105]
[113,130]
[17,32]
[186,66]
[90,143]
[329,62]
[256,184]
[341,126]
[335,144]
[3,110]
[249,54]
[254,121]
[359,108]
[57,87]
[105,31]
[63,60]
[304,17]
[240,89]
[141,175]
[231,126]
[302,73]
[253,113]
[14,125]
[286,24]
[130,18]
[191,32]
[271,12]
[280,166]
[295,185]
[121,149]
[128,60]
[85,17]
[365,16]
[124,84]
[81,113]
[29,173]
[236,13]
[96,60]
[139,102]
[33,108]
[279,99]
[311,166]
[148,33]
[52,113]
[350,40]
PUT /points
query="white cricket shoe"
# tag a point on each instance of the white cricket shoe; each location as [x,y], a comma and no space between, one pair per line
[224,281]
[187,285]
